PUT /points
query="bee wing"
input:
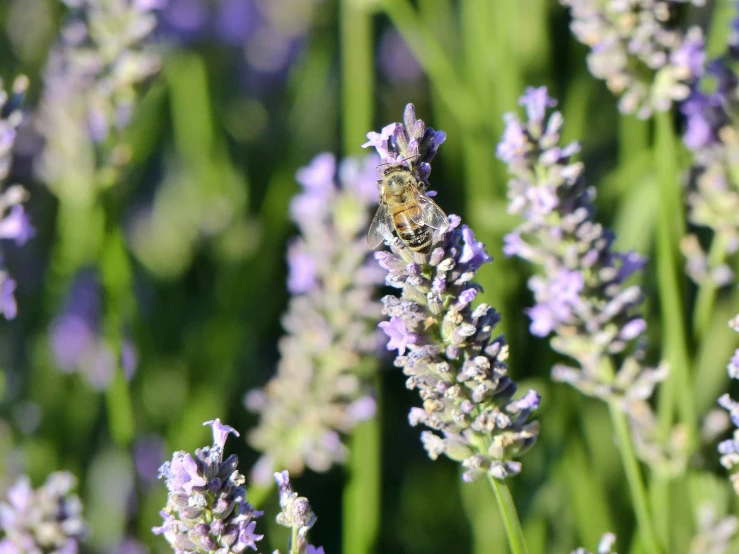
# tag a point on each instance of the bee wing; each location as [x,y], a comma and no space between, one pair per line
[379,228]
[433,215]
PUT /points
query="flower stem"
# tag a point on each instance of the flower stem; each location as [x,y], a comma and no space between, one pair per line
[361,495]
[361,500]
[707,290]
[119,303]
[294,546]
[669,232]
[516,538]
[634,478]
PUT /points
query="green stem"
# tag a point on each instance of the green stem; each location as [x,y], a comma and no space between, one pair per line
[516,538]
[633,138]
[356,73]
[294,545]
[707,290]
[119,302]
[362,490]
[634,478]
[361,498]
[670,231]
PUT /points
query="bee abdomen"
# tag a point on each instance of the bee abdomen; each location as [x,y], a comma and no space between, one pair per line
[416,238]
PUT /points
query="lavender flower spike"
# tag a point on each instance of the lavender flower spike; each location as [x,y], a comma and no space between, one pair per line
[296,514]
[445,345]
[604,546]
[639,51]
[207,509]
[90,92]
[581,289]
[729,449]
[47,520]
[14,221]
[322,390]
[712,118]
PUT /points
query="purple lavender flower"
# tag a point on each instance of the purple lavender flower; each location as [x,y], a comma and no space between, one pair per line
[91,83]
[207,509]
[452,356]
[711,117]
[581,289]
[604,546]
[14,221]
[295,514]
[637,49]
[44,520]
[321,389]
[729,449]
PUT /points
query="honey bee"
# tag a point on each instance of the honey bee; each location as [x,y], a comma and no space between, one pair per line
[405,208]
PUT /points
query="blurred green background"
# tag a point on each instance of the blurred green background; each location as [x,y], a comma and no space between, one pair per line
[197,251]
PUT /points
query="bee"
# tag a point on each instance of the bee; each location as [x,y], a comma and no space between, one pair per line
[405,208]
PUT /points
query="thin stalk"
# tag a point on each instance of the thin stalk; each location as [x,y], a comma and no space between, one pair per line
[117,283]
[677,389]
[361,506]
[514,531]
[356,73]
[361,502]
[633,138]
[634,478]
[707,290]
[294,545]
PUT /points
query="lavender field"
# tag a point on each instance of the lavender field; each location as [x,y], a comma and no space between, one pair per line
[369,276]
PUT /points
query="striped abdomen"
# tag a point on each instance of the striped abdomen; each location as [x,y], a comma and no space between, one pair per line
[416,236]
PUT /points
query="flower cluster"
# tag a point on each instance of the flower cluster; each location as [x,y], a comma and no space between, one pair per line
[207,509]
[90,91]
[581,291]
[715,534]
[711,118]
[729,449]
[604,546]
[445,345]
[321,388]
[410,143]
[296,514]
[47,520]
[639,51]
[14,222]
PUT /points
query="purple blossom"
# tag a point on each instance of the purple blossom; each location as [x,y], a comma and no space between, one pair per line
[320,393]
[445,344]
[579,290]
[8,305]
[295,512]
[207,509]
[398,334]
[645,58]
[47,519]
[17,226]
[302,271]
[536,101]
[220,432]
